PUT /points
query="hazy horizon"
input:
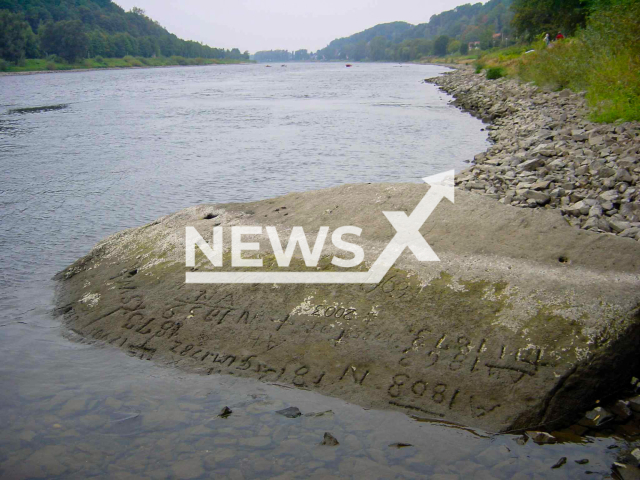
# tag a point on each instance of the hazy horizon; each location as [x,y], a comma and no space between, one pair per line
[281,24]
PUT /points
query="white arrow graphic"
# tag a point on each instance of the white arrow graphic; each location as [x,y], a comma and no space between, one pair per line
[407,236]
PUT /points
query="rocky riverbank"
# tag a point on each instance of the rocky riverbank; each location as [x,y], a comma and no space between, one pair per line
[547,154]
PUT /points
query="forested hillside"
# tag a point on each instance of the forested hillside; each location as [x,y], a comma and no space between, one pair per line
[74,29]
[445,33]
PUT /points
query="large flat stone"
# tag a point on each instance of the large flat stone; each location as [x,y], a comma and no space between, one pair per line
[524,321]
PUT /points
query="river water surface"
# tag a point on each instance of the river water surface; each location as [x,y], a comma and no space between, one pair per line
[122,148]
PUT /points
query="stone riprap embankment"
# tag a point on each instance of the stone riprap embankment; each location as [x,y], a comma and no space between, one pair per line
[546,154]
[523,321]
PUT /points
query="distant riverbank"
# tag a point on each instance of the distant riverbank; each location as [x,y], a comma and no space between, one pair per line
[34,66]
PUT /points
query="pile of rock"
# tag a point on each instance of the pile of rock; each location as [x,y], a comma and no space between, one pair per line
[546,154]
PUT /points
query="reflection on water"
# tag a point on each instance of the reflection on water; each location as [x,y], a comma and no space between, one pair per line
[95,412]
[133,145]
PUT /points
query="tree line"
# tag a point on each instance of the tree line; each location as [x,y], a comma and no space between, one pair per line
[497,23]
[74,29]
[282,56]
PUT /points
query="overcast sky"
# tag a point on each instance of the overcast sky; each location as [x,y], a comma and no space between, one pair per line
[281,24]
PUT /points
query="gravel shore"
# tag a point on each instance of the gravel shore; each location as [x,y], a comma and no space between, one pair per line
[547,154]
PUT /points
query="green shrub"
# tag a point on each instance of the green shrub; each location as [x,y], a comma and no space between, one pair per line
[132,61]
[177,60]
[144,61]
[493,73]
[55,59]
[99,59]
[479,66]
[51,66]
[4,65]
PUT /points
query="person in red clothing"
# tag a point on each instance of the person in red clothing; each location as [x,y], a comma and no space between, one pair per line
[559,36]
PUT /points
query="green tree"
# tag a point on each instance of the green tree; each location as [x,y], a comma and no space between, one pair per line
[65,38]
[464,48]
[360,51]
[301,55]
[377,48]
[453,47]
[440,45]
[533,17]
[486,38]
[16,37]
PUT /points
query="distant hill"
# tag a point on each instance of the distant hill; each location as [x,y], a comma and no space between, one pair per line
[391,32]
[87,28]
[400,41]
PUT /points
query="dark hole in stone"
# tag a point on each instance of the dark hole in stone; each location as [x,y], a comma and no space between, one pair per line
[563,259]
[209,216]
[133,272]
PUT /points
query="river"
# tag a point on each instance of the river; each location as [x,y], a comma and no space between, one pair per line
[117,149]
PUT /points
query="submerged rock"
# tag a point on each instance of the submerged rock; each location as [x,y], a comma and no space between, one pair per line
[596,418]
[621,410]
[634,404]
[290,412]
[542,438]
[560,462]
[225,412]
[329,440]
[524,319]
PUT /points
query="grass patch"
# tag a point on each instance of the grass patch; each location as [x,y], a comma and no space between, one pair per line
[54,62]
[603,60]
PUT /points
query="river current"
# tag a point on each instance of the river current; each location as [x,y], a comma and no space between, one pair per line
[86,154]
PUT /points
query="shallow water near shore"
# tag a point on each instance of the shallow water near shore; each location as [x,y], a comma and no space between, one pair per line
[130,146]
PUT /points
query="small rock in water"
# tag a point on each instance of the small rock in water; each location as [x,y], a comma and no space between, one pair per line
[521,440]
[225,412]
[319,414]
[329,440]
[626,472]
[634,403]
[596,418]
[621,410]
[541,438]
[291,412]
[582,461]
[631,459]
[560,462]
[400,445]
